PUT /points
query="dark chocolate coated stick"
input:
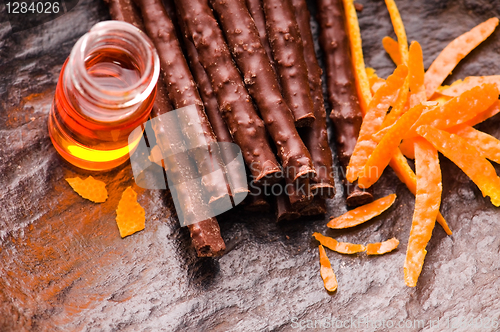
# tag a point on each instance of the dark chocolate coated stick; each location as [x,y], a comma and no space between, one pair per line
[238,179]
[286,45]
[182,91]
[316,136]
[205,235]
[238,112]
[126,11]
[257,12]
[243,40]
[342,95]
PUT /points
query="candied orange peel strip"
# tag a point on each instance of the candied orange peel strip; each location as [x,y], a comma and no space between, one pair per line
[468,158]
[399,29]
[427,202]
[487,144]
[340,247]
[375,81]
[384,151]
[400,166]
[458,109]
[381,248]
[362,213]
[458,87]
[392,48]
[416,74]
[490,112]
[454,52]
[326,271]
[360,76]
[407,147]
[90,188]
[130,215]
[373,120]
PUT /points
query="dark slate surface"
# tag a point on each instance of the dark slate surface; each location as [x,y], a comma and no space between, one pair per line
[64,267]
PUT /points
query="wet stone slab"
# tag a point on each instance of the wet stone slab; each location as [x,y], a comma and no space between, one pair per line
[65,267]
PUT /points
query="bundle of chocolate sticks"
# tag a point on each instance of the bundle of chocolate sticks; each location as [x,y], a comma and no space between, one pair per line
[250,68]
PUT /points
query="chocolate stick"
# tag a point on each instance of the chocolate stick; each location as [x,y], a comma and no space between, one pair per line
[342,95]
[257,12]
[205,235]
[238,180]
[317,207]
[284,210]
[286,45]
[315,137]
[182,92]
[126,11]
[238,112]
[256,201]
[243,40]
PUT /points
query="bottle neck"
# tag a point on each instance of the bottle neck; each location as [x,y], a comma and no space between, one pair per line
[111,71]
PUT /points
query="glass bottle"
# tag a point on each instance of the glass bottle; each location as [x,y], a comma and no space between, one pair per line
[106,89]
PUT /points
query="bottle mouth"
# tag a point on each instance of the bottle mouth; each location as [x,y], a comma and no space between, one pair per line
[120,38]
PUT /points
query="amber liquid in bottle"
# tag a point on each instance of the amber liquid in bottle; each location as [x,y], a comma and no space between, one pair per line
[92,114]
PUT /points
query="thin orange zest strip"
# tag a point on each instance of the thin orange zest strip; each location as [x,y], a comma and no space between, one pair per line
[459,109]
[400,166]
[90,188]
[384,151]
[399,29]
[326,271]
[362,83]
[459,87]
[362,213]
[454,52]
[381,248]
[468,158]
[392,48]
[340,247]
[416,75]
[487,144]
[427,202]
[373,120]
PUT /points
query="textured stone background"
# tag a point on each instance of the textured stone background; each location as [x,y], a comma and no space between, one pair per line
[63,265]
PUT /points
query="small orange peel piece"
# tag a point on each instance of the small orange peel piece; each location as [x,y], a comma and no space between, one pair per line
[130,215]
[373,120]
[90,188]
[156,156]
[458,109]
[381,248]
[358,61]
[468,158]
[362,213]
[384,151]
[340,247]
[458,87]
[392,48]
[427,202]
[326,271]
[454,52]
